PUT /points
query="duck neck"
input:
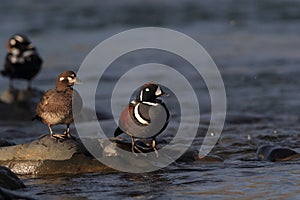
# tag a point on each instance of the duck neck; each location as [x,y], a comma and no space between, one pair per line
[62,87]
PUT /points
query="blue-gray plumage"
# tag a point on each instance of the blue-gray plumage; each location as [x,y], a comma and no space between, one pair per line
[145,117]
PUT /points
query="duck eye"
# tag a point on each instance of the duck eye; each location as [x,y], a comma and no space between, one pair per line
[147,89]
[61,78]
[70,78]
[12,42]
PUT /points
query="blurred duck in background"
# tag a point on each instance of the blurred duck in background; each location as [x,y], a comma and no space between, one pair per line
[22,60]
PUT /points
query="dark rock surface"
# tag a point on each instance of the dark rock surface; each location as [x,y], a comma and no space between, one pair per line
[9,180]
[276,153]
[4,143]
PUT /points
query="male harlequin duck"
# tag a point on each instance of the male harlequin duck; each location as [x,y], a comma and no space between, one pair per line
[22,60]
[55,106]
[145,117]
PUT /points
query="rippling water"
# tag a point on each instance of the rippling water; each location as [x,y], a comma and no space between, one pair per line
[256,47]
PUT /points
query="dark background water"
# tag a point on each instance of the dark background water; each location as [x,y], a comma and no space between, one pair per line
[256,47]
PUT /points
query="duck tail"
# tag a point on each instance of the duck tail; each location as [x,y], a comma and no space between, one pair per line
[36,117]
[118,132]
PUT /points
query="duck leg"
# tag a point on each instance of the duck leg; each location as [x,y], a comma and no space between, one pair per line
[133,147]
[55,136]
[154,147]
[67,132]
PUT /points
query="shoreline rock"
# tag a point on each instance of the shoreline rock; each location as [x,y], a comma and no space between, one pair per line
[46,156]
[274,153]
[9,180]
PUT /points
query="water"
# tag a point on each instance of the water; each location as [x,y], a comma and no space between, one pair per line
[256,48]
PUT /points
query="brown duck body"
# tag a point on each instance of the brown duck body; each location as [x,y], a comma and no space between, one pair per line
[56,107]
[56,104]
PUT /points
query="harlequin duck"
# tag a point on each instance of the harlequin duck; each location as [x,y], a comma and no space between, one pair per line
[145,117]
[55,106]
[22,60]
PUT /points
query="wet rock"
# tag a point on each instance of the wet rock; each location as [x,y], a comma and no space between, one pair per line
[46,156]
[49,156]
[117,154]
[9,180]
[276,153]
[111,150]
[4,143]
[44,148]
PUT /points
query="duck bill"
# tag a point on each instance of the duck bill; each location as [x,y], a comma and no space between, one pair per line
[164,94]
[159,92]
[78,81]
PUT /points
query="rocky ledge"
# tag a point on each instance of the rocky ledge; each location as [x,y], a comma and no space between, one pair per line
[49,156]
[46,156]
